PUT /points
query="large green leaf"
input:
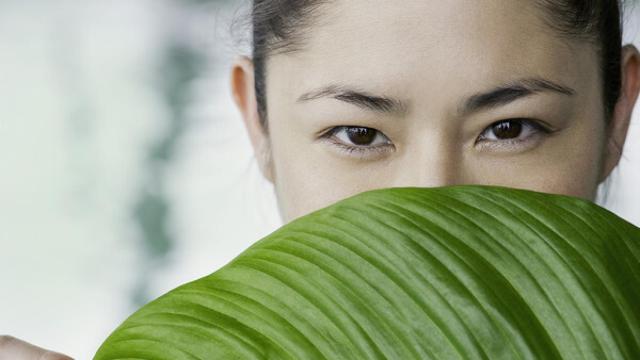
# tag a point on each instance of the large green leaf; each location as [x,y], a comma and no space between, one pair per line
[465,272]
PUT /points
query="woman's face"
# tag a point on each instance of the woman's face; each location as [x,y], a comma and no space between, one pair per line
[432,93]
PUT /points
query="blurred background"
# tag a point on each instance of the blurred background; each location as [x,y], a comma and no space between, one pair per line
[125,170]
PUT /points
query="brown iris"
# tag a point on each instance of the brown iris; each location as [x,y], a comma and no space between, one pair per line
[361,136]
[507,129]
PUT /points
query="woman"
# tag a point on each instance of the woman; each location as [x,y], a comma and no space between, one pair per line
[346,96]
[355,95]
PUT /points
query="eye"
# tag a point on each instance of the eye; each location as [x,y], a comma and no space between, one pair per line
[362,141]
[359,136]
[512,133]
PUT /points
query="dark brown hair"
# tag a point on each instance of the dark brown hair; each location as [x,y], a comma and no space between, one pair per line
[279,26]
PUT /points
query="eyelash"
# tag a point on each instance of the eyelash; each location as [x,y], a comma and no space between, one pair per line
[362,152]
[535,127]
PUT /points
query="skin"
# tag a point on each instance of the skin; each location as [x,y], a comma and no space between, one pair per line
[430,58]
[14,349]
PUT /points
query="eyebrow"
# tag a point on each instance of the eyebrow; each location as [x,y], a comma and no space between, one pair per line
[499,96]
[363,99]
[505,94]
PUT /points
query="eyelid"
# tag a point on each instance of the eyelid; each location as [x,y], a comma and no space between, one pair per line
[364,151]
[378,134]
[539,130]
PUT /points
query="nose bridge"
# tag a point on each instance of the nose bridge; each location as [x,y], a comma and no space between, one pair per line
[431,162]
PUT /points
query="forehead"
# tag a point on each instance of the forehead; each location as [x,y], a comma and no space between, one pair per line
[416,45]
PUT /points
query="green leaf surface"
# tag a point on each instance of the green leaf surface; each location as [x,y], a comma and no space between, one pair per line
[463,272]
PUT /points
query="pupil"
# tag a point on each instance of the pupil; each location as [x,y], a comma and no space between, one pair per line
[361,136]
[507,130]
